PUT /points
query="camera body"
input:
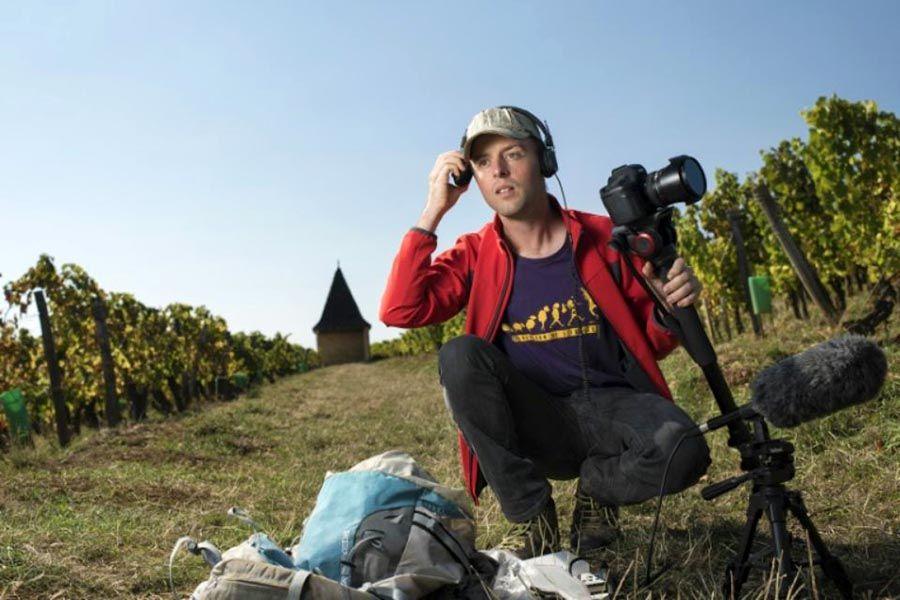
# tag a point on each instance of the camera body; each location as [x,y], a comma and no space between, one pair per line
[631,195]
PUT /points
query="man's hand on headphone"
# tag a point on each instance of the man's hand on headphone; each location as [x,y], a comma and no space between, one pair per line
[682,289]
[442,195]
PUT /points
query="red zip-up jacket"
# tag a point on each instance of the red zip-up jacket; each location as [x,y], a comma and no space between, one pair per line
[477,274]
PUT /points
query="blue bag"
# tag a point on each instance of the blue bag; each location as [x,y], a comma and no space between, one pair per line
[387,518]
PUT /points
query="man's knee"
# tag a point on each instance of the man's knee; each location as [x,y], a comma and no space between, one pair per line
[458,356]
[691,459]
[462,363]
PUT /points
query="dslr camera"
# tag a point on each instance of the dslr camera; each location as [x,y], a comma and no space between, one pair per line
[631,195]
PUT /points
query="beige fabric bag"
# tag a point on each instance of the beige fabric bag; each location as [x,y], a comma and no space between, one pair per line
[242,579]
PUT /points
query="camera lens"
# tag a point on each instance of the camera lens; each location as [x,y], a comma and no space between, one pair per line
[682,180]
[692,176]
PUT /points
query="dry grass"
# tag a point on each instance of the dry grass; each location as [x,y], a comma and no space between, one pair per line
[98,520]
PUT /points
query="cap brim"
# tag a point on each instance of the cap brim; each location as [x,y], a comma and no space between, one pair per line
[519,135]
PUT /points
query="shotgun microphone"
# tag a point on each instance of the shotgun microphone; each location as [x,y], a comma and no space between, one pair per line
[824,379]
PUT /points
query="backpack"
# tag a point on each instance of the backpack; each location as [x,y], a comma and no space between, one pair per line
[384,528]
[388,527]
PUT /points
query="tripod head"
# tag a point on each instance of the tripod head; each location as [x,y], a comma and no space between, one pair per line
[653,238]
[774,459]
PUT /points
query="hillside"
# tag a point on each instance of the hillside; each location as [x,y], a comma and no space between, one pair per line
[98,519]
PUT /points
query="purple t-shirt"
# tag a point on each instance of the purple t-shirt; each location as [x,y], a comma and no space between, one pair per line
[547,312]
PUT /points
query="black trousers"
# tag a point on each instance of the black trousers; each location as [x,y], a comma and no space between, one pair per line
[617,440]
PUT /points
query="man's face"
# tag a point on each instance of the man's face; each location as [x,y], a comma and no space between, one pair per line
[508,174]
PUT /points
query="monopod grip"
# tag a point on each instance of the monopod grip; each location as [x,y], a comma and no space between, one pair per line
[694,338]
[690,328]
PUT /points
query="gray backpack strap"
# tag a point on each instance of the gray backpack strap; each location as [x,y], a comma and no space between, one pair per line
[440,533]
[298,581]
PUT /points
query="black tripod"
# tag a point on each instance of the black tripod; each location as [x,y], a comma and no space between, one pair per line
[766,462]
[769,497]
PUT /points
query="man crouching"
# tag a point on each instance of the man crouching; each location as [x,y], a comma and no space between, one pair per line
[557,375]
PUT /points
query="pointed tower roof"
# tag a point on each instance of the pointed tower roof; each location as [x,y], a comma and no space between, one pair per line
[341,312]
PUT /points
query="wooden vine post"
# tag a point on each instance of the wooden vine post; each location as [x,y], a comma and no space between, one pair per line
[113,414]
[61,412]
[743,268]
[805,271]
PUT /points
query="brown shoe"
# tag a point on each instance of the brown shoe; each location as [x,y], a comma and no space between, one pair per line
[595,526]
[535,537]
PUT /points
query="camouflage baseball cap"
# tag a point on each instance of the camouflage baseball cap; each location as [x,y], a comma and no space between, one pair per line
[499,120]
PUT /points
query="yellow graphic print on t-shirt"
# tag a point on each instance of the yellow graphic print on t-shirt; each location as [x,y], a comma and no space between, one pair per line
[555,321]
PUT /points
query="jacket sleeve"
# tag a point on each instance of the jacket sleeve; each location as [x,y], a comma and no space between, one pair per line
[662,339]
[421,291]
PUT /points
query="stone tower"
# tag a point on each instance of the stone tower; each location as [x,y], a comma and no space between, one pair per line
[342,335]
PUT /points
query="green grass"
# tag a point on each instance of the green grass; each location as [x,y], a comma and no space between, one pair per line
[98,519]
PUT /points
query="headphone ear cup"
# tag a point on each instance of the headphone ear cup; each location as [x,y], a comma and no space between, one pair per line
[548,163]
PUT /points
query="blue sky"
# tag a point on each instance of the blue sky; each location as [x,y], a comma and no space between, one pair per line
[229,154]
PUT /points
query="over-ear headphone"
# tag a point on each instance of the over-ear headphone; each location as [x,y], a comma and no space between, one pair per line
[547,156]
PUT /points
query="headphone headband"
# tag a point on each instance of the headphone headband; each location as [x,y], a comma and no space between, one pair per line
[547,156]
[541,125]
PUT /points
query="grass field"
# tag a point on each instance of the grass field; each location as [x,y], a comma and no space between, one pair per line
[98,519]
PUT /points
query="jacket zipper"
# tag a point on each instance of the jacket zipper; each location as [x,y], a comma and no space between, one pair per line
[495,320]
[492,331]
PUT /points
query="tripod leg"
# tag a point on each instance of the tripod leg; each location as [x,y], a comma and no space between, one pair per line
[739,567]
[781,538]
[831,566]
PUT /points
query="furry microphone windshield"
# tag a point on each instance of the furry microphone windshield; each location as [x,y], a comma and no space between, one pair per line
[824,379]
